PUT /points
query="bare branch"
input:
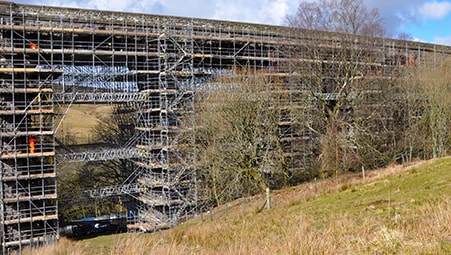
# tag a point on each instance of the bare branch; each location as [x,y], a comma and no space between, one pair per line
[346,16]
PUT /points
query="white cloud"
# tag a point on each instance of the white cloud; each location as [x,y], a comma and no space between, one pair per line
[443,40]
[261,11]
[265,12]
[435,10]
[277,11]
[416,39]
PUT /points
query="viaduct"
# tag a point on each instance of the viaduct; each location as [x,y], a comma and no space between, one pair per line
[52,58]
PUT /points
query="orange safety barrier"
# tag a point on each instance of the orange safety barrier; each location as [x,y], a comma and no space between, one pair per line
[33,46]
[31,143]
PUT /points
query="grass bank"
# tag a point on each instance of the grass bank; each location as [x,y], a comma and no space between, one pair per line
[399,209]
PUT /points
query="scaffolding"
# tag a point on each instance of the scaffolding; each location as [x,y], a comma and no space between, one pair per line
[27,166]
[52,58]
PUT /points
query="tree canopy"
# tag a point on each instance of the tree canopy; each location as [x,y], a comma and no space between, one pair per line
[346,16]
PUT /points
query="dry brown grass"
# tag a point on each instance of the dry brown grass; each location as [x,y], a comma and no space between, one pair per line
[400,209]
[80,120]
[63,247]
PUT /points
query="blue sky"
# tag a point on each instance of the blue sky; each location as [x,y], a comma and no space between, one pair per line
[425,20]
[435,23]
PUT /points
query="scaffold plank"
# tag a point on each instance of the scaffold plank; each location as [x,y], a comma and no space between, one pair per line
[27,70]
[27,133]
[28,89]
[28,176]
[29,198]
[26,111]
[32,219]
[26,155]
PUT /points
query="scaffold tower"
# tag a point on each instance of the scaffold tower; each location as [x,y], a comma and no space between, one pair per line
[27,166]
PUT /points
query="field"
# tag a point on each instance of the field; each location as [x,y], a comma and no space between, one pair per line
[396,210]
[79,121]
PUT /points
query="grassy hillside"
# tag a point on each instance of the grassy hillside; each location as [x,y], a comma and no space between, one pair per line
[79,121]
[400,209]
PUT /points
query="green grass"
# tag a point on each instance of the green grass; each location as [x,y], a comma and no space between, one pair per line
[397,210]
[405,191]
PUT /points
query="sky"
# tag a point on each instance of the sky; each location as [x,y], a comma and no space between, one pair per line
[425,20]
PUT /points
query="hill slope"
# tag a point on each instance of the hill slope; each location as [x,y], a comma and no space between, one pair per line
[80,120]
[400,209]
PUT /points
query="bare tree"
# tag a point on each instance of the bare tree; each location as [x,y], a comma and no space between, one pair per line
[404,36]
[355,99]
[345,16]
[386,128]
[357,125]
[239,150]
[436,93]
[115,130]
